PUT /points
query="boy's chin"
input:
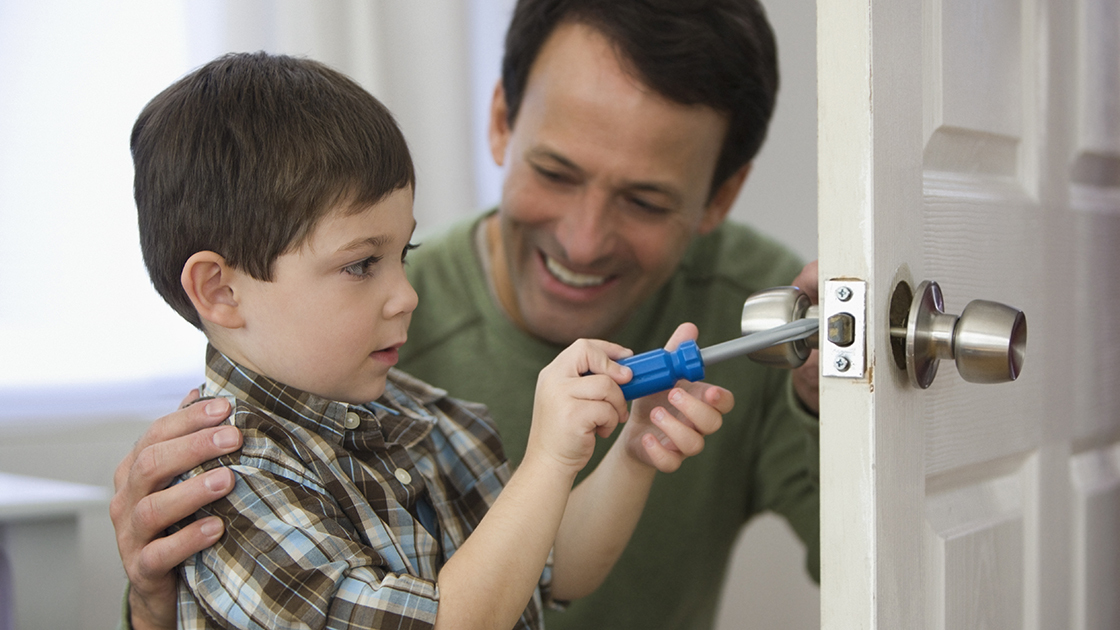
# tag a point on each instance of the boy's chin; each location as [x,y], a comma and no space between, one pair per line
[365,394]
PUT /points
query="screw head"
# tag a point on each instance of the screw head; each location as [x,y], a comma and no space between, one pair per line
[843,294]
[842,363]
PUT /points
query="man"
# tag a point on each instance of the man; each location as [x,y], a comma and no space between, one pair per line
[626,130]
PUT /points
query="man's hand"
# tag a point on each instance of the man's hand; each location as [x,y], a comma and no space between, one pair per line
[143,505]
[806,379]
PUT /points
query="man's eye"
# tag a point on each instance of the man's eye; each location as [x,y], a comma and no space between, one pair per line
[361,268]
[553,176]
[647,207]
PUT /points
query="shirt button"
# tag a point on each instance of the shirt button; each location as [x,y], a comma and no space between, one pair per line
[352,420]
[402,476]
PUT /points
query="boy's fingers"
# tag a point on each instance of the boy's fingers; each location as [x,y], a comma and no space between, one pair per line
[685,332]
[604,388]
[721,399]
[659,456]
[594,356]
[702,408]
[688,441]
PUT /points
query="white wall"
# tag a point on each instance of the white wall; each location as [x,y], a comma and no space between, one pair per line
[91,354]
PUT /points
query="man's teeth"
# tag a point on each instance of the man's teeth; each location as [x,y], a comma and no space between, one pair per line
[570,277]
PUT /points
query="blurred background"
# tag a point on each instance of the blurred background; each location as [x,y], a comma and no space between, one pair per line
[90,354]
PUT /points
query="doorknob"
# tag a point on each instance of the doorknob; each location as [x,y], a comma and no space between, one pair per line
[773,307]
[988,340]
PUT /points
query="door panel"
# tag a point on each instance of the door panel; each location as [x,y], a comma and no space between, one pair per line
[975,143]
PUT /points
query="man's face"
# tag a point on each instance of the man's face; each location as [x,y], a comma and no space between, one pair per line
[338,308]
[606,184]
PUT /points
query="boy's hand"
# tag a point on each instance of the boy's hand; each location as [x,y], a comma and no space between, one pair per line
[570,409]
[667,427]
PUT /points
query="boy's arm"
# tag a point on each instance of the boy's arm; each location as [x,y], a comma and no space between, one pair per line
[604,509]
[490,579]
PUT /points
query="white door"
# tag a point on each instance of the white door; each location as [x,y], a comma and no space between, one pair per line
[975,143]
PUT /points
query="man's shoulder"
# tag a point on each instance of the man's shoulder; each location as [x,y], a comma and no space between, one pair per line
[444,251]
[738,255]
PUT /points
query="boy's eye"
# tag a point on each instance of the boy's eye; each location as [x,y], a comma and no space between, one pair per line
[361,268]
[408,248]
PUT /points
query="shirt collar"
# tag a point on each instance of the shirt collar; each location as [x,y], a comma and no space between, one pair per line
[398,416]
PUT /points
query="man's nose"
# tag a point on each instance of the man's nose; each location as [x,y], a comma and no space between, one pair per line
[586,230]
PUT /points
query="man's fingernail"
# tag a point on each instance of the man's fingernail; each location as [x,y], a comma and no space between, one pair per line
[217,408]
[215,482]
[211,526]
[226,437]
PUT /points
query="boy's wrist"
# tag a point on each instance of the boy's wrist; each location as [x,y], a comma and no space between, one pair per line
[541,464]
[629,459]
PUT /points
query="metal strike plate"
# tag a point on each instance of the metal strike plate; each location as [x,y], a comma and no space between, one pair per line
[844,301]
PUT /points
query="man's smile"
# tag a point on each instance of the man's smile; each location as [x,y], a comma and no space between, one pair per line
[572,278]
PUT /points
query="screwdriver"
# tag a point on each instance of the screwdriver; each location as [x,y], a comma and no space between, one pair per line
[658,370]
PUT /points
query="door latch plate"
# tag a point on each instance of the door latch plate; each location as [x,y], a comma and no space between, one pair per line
[844,301]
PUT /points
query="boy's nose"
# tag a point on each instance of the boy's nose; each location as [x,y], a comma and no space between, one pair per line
[404,299]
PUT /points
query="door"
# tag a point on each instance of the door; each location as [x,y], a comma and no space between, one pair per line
[975,143]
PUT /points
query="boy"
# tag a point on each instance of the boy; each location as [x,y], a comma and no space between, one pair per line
[275,211]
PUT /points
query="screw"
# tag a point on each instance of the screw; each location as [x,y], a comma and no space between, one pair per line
[842,363]
[843,294]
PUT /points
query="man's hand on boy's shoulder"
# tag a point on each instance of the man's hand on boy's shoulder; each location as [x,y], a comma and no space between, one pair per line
[144,504]
[666,428]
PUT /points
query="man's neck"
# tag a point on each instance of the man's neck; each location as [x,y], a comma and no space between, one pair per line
[498,271]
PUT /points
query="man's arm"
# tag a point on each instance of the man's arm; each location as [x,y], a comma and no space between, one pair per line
[143,505]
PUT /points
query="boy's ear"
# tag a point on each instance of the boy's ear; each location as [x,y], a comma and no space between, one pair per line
[208,282]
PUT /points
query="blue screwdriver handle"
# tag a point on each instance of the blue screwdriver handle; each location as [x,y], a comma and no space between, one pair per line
[658,370]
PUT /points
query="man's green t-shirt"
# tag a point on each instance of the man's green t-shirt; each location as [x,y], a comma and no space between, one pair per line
[763,458]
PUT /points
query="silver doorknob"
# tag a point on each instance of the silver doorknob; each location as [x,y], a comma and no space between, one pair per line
[988,340]
[774,307]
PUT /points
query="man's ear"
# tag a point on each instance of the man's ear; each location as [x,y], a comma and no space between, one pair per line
[209,283]
[499,125]
[716,210]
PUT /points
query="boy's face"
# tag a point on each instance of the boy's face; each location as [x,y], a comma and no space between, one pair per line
[338,308]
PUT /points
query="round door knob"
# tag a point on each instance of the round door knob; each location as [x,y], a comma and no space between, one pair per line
[988,340]
[774,307]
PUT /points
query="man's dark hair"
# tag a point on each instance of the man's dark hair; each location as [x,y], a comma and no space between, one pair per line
[717,53]
[246,154]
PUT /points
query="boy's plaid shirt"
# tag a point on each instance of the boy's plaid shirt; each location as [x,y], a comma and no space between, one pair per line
[323,527]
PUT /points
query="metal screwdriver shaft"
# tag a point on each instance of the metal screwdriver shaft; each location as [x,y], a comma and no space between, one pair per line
[797,329]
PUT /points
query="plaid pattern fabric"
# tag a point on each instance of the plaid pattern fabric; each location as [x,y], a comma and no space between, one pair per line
[323,527]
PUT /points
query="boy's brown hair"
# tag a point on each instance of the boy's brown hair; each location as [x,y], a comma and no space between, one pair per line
[246,154]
